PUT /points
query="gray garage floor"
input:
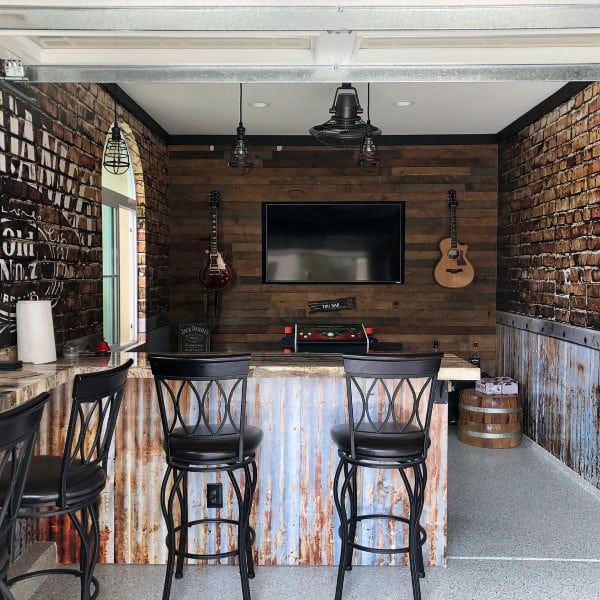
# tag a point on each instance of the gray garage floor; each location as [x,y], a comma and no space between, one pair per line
[520,526]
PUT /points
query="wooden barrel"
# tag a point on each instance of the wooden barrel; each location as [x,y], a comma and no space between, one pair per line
[489,421]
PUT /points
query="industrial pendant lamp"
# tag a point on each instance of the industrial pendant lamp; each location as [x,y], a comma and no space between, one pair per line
[368,156]
[240,157]
[345,128]
[116,155]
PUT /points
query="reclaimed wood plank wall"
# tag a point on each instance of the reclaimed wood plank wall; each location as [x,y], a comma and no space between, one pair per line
[253,314]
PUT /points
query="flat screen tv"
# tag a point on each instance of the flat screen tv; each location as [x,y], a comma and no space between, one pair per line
[333,242]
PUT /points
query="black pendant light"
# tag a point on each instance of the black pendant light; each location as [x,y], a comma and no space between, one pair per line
[240,157]
[116,156]
[345,128]
[368,156]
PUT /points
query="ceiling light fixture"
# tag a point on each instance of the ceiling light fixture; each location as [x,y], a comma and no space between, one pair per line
[402,103]
[368,156]
[345,128]
[116,156]
[259,104]
[240,157]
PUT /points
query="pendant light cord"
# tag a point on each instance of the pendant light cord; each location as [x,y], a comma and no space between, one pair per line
[240,103]
[368,102]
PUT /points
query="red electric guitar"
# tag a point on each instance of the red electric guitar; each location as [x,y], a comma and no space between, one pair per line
[454,269]
[215,273]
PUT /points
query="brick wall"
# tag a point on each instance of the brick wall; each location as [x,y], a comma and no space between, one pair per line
[549,215]
[50,176]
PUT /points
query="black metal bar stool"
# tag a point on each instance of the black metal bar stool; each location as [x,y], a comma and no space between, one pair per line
[390,401]
[202,400]
[72,483]
[18,429]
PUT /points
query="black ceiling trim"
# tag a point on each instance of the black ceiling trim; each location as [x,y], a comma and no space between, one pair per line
[128,103]
[559,97]
[225,141]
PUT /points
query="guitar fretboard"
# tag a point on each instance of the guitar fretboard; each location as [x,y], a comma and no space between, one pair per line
[213,232]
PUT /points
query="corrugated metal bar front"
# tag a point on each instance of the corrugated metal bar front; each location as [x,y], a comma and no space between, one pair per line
[294,513]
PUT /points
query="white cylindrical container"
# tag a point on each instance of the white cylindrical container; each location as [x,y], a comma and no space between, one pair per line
[35,332]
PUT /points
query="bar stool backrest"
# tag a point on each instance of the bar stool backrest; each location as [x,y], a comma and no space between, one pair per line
[18,430]
[391,394]
[95,407]
[202,395]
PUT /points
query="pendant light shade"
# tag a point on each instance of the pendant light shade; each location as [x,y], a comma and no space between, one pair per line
[368,156]
[240,157]
[345,127]
[116,156]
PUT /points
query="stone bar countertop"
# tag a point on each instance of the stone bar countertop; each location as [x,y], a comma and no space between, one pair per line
[21,385]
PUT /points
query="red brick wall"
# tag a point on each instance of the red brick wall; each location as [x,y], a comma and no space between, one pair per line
[549,215]
[50,176]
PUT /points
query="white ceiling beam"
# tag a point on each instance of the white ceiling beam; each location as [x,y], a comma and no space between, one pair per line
[36,19]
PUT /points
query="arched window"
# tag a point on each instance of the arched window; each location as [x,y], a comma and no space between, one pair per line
[119,259]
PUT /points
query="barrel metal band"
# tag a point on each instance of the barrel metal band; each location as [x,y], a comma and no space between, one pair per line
[479,434]
[497,411]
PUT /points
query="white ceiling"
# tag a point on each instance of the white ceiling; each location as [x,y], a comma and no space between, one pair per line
[469,67]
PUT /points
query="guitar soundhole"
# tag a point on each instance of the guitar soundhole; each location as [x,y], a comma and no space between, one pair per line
[453,253]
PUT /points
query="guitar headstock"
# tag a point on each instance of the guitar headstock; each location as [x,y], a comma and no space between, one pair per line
[213,199]
[452,198]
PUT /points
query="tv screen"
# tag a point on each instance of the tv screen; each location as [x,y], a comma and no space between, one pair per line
[333,242]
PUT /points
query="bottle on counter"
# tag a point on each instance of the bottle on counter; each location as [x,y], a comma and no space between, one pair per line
[475,359]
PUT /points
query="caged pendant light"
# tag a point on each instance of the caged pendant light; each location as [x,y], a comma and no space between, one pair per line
[240,157]
[368,156]
[116,156]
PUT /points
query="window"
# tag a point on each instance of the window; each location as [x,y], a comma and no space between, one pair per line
[119,259]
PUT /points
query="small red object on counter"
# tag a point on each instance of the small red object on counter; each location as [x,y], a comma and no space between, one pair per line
[103,349]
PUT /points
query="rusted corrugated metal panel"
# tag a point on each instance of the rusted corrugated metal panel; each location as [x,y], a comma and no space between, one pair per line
[294,513]
[560,385]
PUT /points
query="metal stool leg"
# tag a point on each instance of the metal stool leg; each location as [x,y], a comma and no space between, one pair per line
[166,503]
[182,496]
[340,495]
[242,531]
[414,547]
[5,593]
[251,486]
[88,529]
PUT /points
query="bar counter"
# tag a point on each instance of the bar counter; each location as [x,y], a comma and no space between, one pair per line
[295,399]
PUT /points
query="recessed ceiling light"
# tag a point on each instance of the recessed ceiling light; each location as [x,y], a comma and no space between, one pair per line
[259,104]
[403,103]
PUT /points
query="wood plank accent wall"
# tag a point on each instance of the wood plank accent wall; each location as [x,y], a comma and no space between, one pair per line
[254,314]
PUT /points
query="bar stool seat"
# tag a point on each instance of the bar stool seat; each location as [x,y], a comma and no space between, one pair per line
[390,442]
[85,481]
[201,446]
[389,405]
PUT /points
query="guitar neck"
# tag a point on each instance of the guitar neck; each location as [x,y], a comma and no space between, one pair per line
[453,226]
[213,232]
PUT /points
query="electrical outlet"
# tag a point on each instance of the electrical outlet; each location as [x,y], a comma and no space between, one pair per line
[214,495]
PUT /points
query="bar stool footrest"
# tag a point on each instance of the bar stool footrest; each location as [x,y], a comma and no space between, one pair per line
[56,571]
[404,549]
[225,554]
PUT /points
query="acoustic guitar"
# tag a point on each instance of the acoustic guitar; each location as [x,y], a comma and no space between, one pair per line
[454,269]
[215,273]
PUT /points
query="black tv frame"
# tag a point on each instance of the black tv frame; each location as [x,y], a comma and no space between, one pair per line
[399,204]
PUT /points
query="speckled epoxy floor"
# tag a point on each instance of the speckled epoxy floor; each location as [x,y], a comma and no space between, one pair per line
[520,526]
